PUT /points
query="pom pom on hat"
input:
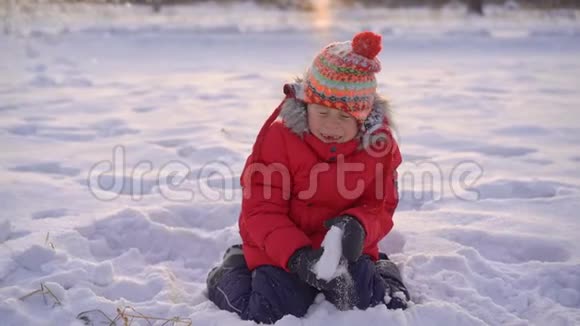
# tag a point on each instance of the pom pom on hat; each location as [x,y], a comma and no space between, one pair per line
[367,44]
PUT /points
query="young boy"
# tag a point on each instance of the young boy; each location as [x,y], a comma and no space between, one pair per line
[330,161]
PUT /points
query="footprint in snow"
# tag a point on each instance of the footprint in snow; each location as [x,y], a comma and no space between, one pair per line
[48,168]
[510,248]
[50,213]
[521,189]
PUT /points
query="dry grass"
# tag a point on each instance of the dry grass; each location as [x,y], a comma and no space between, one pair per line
[48,242]
[128,315]
[44,291]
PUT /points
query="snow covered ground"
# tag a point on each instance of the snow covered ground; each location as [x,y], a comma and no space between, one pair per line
[123,134]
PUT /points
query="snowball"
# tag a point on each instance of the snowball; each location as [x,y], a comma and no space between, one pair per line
[327,266]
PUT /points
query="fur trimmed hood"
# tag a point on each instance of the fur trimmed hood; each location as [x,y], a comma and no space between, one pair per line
[294,116]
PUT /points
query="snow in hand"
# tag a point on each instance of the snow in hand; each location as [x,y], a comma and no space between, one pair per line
[137,91]
[327,266]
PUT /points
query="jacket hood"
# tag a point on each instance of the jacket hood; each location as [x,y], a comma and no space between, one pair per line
[294,116]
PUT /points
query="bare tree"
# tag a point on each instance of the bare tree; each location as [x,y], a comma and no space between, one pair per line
[156,5]
[475,7]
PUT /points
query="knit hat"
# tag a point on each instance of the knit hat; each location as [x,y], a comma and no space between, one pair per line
[342,76]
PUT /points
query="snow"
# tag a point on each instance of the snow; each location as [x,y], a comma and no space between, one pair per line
[123,139]
[103,274]
[34,257]
[327,267]
[5,230]
[398,294]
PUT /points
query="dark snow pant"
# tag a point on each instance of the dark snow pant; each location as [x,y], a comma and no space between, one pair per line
[269,293]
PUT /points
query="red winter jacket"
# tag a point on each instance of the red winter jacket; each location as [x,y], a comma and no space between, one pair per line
[293,182]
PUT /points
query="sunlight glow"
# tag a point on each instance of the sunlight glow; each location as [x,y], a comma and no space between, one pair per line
[322,16]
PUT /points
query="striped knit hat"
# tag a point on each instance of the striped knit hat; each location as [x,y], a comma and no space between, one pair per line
[342,76]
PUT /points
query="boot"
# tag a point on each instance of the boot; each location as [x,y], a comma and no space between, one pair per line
[233,258]
[394,281]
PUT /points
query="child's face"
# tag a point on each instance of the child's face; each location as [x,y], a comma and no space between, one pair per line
[331,125]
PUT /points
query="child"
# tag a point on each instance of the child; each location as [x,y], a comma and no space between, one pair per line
[330,161]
